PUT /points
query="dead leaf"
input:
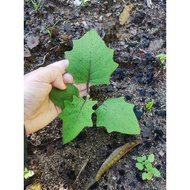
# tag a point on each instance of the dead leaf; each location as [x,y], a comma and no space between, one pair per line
[114,157]
[125,14]
[34,187]
[27,52]
[32,41]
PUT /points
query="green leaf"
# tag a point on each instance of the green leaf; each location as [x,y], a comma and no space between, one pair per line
[139,166]
[58,96]
[148,165]
[156,172]
[149,105]
[162,57]
[151,158]
[117,115]
[76,115]
[28,173]
[90,61]
[149,176]
[141,158]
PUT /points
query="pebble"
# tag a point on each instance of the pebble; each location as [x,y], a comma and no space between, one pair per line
[59,145]
[81,136]
[161,113]
[119,74]
[122,172]
[139,177]
[71,175]
[156,105]
[128,97]
[138,114]
[152,92]
[132,184]
[142,92]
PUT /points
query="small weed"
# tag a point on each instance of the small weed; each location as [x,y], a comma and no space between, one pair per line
[49,30]
[145,164]
[28,173]
[162,58]
[82,3]
[149,105]
[37,5]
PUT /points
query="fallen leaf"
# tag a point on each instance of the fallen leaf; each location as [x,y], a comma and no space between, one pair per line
[34,187]
[114,157]
[125,14]
[27,52]
[155,45]
[32,41]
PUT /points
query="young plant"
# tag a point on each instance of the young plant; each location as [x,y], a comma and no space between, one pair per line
[28,173]
[49,30]
[91,63]
[162,58]
[149,105]
[82,3]
[37,5]
[145,164]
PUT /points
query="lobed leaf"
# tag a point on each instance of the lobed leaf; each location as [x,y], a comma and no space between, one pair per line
[90,61]
[117,115]
[76,115]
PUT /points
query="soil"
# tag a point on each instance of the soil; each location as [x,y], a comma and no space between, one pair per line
[139,78]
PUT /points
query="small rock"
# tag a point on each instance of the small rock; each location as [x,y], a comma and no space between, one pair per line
[138,18]
[152,92]
[139,177]
[158,167]
[148,55]
[156,105]
[71,175]
[146,133]
[108,14]
[127,97]
[59,145]
[156,45]
[32,41]
[119,74]
[81,136]
[161,113]
[142,92]
[119,181]
[138,114]
[132,184]
[161,153]
[110,88]
[27,52]
[122,172]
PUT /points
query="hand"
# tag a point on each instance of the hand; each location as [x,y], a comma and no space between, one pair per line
[39,110]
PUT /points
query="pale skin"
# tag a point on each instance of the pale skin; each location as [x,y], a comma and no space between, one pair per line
[39,110]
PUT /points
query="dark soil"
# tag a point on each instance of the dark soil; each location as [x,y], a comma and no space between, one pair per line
[140,78]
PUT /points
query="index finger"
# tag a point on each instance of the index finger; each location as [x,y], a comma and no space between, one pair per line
[62,65]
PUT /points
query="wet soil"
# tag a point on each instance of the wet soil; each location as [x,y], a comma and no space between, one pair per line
[139,78]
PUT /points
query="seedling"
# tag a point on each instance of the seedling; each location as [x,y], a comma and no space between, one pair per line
[91,63]
[162,58]
[145,164]
[82,3]
[149,105]
[49,30]
[28,173]
[37,5]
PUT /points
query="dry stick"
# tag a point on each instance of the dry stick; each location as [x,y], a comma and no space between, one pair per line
[82,168]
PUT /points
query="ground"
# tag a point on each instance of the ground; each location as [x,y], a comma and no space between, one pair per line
[140,78]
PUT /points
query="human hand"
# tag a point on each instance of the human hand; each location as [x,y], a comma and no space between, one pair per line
[39,110]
